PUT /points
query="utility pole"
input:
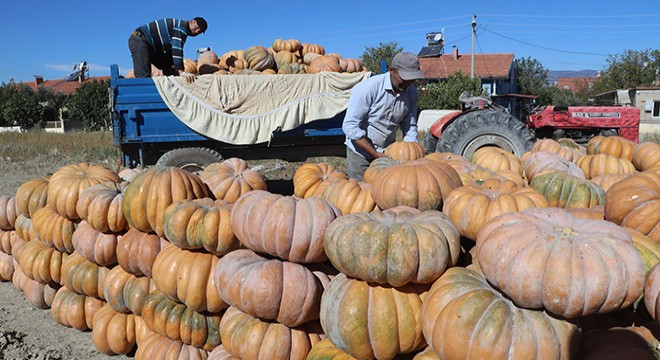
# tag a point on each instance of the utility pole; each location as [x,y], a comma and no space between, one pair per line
[474,34]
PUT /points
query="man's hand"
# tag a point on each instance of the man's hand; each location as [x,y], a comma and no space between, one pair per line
[190,78]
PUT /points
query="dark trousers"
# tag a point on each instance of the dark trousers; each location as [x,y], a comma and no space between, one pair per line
[356,165]
[144,55]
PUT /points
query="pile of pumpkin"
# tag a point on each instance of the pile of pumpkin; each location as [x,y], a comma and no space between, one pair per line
[552,255]
[282,57]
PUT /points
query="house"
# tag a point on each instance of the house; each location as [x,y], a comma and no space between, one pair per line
[576,84]
[646,99]
[498,72]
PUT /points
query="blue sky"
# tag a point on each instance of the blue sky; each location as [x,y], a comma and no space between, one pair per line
[48,37]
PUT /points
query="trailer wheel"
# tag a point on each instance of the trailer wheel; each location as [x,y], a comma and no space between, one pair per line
[477,129]
[190,159]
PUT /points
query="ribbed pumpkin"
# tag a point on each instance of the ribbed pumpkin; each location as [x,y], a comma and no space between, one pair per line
[421,184]
[41,263]
[599,164]
[189,65]
[200,224]
[309,176]
[652,292]
[291,45]
[101,206]
[324,63]
[283,226]
[113,333]
[67,183]
[649,250]
[258,58]
[542,162]
[95,246]
[53,229]
[369,321]
[187,277]
[154,346]
[313,48]
[292,68]
[376,166]
[31,196]
[616,146]
[308,57]
[571,267]
[351,65]
[231,178]
[125,292]
[426,354]
[567,152]
[350,196]
[496,159]
[606,181]
[6,267]
[176,321]
[38,294]
[269,289]
[325,350]
[74,310]
[83,277]
[7,212]
[10,243]
[285,57]
[404,150]
[24,228]
[596,212]
[150,193]
[227,59]
[567,191]
[249,338]
[634,202]
[484,324]
[136,251]
[395,246]
[646,156]
[220,353]
[470,206]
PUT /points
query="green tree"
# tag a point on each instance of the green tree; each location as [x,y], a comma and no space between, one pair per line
[628,70]
[444,94]
[372,56]
[90,105]
[553,95]
[51,103]
[532,76]
[20,106]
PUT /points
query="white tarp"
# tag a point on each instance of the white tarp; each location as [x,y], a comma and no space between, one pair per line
[246,109]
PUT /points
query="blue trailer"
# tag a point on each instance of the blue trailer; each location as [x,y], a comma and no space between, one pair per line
[148,133]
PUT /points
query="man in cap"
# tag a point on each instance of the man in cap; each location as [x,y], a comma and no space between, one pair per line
[378,107]
[160,43]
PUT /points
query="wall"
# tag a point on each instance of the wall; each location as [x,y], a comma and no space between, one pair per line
[644,100]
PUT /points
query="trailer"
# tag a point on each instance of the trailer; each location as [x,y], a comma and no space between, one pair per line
[151,128]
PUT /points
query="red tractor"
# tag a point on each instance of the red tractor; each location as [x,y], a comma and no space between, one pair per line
[482,123]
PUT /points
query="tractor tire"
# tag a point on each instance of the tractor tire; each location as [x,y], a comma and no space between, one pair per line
[190,159]
[430,143]
[477,129]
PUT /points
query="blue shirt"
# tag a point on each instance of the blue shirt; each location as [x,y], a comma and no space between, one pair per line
[375,111]
[168,36]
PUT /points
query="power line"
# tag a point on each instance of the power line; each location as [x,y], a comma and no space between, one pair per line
[573,16]
[608,26]
[544,47]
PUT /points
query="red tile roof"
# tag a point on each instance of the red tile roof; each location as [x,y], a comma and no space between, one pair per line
[65,87]
[576,83]
[485,65]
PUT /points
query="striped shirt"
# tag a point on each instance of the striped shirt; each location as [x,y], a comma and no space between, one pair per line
[167,35]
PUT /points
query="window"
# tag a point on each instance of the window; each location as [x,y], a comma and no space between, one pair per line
[487,88]
[656,109]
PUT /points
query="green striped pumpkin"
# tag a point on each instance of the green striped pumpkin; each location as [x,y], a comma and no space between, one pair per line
[568,191]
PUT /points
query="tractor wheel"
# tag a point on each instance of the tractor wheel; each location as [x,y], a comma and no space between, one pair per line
[477,129]
[190,159]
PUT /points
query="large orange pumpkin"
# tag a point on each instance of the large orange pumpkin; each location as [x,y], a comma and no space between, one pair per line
[7,212]
[599,164]
[83,277]
[155,346]
[404,150]
[231,178]
[325,350]
[97,247]
[31,196]
[74,310]
[376,166]
[10,243]
[568,191]
[101,206]
[112,332]
[53,229]
[259,58]
[313,48]
[310,176]
[571,267]
[646,156]
[616,146]
[136,251]
[38,294]
[350,196]
[635,202]
[41,263]
[570,153]
[496,159]
[125,292]
[542,162]
[291,45]
[324,63]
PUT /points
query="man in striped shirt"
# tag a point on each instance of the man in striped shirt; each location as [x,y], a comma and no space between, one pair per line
[160,43]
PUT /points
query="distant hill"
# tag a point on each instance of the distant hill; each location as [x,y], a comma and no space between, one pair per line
[553,75]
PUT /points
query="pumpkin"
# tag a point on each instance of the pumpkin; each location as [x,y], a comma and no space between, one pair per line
[599,164]
[154,346]
[325,350]
[67,183]
[187,277]
[150,193]
[269,289]
[127,174]
[605,181]
[74,310]
[284,57]
[351,65]
[239,65]
[31,196]
[248,338]
[53,229]
[369,321]
[112,332]
[634,202]
[484,324]
[220,353]
[616,146]
[324,63]
[38,294]
[309,176]
[258,58]
[178,322]
[283,226]
[207,57]
[350,196]
[649,250]
[83,277]
[137,251]
[470,206]
[291,45]
[10,243]
[646,156]
[7,212]
[426,354]
[569,153]
[404,150]
[200,224]
[421,184]
[24,228]
[227,59]
[190,66]
[125,292]
[41,263]
[496,159]
[95,246]
[543,258]
[292,68]
[542,162]
[101,206]
[6,267]
[313,48]
[567,191]
[596,212]
[308,57]
[395,246]
[376,166]
[632,342]
[231,178]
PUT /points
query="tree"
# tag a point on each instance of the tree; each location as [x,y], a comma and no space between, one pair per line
[532,76]
[51,103]
[90,105]
[20,106]
[372,56]
[628,70]
[444,94]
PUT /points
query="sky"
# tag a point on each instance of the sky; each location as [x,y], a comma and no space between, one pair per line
[46,38]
